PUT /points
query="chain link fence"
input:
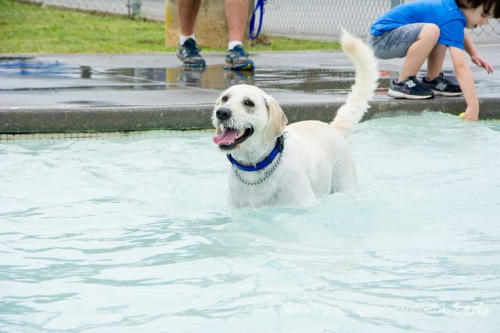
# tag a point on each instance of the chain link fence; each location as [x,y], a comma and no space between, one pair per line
[306,19]
[323,19]
[151,9]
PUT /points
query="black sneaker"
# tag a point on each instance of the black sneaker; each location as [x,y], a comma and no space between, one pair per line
[189,54]
[410,88]
[442,86]
[237,59]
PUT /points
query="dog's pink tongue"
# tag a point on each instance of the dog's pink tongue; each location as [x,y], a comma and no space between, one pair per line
[226,137]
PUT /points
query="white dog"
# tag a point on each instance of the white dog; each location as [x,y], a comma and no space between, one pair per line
[275,164]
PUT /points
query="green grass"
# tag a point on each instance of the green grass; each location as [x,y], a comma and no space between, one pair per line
[28,28]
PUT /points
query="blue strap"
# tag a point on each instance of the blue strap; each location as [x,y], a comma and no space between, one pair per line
[259,5]
[278,148]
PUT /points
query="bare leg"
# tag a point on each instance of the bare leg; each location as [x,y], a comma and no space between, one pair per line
[236,16]
[435,61]
[419,51]
[188,10]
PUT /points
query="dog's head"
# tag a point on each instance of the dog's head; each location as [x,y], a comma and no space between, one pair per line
[245,115]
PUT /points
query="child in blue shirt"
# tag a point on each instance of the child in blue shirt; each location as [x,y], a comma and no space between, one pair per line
[425,29]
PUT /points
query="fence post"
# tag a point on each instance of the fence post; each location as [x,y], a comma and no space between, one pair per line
[395,3]
[134,7]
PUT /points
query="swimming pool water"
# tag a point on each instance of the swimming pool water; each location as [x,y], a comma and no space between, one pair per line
[133,233]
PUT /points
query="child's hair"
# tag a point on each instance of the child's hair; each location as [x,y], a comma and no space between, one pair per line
[487,4]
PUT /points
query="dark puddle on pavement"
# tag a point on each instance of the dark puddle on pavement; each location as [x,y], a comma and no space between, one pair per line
[315,80]
[31,74]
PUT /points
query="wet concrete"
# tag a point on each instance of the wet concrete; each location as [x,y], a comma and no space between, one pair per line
[71,93]
[29,73]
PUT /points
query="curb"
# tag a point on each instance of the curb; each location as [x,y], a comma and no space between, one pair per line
[17,120]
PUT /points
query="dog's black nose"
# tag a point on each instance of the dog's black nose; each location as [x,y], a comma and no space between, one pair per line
[223,113]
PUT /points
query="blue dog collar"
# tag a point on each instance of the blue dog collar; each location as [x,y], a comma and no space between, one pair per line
[278,148]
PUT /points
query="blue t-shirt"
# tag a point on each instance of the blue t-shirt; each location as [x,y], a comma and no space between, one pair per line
[444,13]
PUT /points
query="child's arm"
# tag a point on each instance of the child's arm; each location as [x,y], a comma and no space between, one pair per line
[466,82]
[472,51]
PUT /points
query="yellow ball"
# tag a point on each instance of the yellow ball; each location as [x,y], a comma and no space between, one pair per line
[462,115]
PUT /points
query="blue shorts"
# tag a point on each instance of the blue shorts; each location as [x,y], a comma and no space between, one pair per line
[396,42]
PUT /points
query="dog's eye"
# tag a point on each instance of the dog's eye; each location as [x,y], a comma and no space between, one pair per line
[224,99]
[248,102]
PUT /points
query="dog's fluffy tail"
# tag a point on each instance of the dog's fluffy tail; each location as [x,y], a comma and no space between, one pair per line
[349,114]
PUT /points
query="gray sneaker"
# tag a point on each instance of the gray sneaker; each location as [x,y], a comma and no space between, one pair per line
[189,54]
[410,88]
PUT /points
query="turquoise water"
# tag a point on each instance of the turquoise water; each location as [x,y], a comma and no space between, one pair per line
[133,234]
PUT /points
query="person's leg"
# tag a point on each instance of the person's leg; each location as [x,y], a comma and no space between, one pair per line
[435,79]
[188,10]
[188,52]
[236,16]
[435,61]
[419,51]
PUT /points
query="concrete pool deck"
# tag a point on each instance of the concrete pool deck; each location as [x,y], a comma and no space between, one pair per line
[100,93]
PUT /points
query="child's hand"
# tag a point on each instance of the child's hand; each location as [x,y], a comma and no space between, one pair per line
[481,63]
[469,114]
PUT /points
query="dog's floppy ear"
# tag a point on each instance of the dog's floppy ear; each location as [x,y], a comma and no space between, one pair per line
[276,120]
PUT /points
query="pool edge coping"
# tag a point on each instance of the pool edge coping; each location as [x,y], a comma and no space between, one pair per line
[24,120]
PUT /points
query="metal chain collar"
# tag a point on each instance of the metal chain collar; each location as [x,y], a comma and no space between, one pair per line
[263,178]
[267,174]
